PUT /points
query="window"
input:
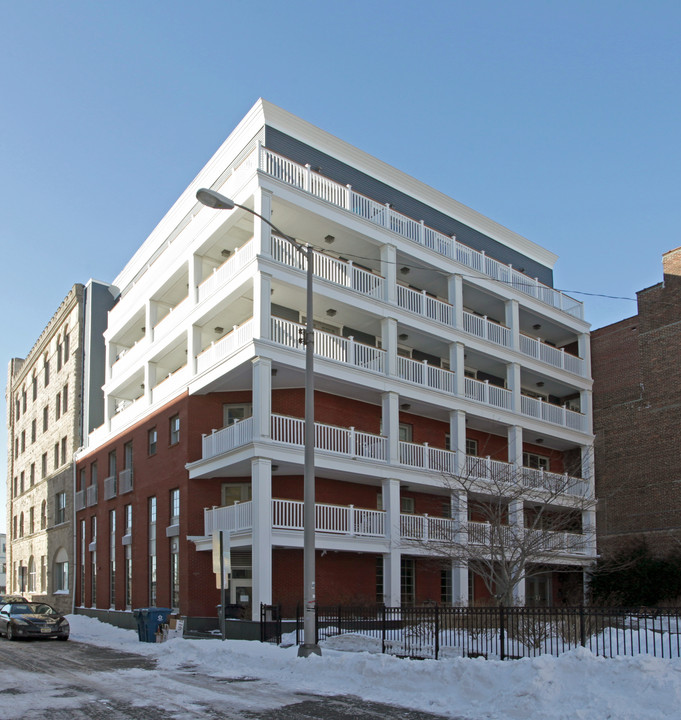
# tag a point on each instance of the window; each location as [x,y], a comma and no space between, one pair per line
[56,455]
[21,525]
[46,371]
[43,515]
[17,409]
[63,450]
[61,571]
[82,479]
[32,480]
[58,354]
[471,447]
[112,463]
[407,505]
[174,507]
[16,486]
[174,573]
[60,508]
[31,574]
[65,398]
[152,437]
[127,452]
[407,578]
[22,486]
[44,465]
[23,400]
[15,533]
[380,597]
[233,493]
[233,413]
[93,562]
[112,558]
[57,407]
[34,430]
[128,557]
[46,414]
[538,462]
[93,473]
[43,573]
[66,345]
[174,429]
[446,586]
[128,520]
[34,386]
[16,447]
[23,440]
[152,551]
[31,520]
[406,432]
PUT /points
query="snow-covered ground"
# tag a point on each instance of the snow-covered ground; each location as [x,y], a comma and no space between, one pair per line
[577,685]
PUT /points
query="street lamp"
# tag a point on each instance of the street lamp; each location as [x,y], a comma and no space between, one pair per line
[215,200]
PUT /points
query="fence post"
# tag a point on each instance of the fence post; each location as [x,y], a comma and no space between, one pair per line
[502,639]
[437,630]
[582,629]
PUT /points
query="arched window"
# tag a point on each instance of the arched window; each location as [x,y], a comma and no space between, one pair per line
[61,571]
[43,515]
[31,574]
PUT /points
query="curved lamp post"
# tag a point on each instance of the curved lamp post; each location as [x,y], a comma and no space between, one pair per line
[215,200]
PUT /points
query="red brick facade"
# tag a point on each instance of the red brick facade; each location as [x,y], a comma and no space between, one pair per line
[637,396]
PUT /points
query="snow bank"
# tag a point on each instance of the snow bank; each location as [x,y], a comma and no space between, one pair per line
[577,685]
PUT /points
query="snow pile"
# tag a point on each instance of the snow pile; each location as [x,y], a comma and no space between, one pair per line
[577,685]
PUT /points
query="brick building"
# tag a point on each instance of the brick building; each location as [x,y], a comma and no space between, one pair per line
[440,344]
[50,394]
[637,396]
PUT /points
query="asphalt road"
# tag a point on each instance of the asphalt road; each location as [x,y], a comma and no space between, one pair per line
[47,680]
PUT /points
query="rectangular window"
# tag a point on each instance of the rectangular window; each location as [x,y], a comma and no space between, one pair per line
[16,486]
[128,519]
[127,448]
[538,462]
[82,563]
[58,354]
[174,429]
[64,443]
[112,463]
[23,440]
[93,473]
[34,430]
[57,407]
[152,550]
[43,468]
[46,414]
[174,507]
[31,520]
[82,479]
[408,581]
[152,436]
[407,505]
[174,573]
[23,400]
[32,474]
[47,372]
[234,413]
[446,586]
[43,573]
[34,387]
[17,409]
[22,484]
[56,455]
[60,508]
[65,398]
[66,347]
[406,432]
[112,559]
[471,447]
[61,576]
[380,597]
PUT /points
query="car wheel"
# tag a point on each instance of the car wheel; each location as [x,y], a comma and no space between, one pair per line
[63,637]
[10,632]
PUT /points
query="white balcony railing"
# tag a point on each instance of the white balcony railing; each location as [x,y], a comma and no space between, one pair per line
[484,392]
[344,197]
[420,303]
[537,408]
[226,346]
[483,328]
[350,521]
[421,373]
[110,487]
[125,481]
[229,269]
[91,495]
[556,357]
[80,500]
[424,457]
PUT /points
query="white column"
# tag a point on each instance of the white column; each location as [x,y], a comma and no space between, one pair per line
[193,347]
[262,305]
[390,409]
[262,201]
[150,316]
[584,351]
[457,363]
[393,559]
[515,446]
[261,480]
[389,344]
[455,298]
[513,382]
[262,397]
[457,438]
[516,519]
[512,314]
[460,566]
[389,272]
[195,276]
[585,405]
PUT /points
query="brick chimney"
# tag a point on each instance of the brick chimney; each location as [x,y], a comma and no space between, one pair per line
[671,262]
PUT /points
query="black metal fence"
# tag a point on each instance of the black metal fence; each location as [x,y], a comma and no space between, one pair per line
[503,632]
[270,624]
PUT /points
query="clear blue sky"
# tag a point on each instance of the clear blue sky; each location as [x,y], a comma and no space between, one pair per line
[559,120]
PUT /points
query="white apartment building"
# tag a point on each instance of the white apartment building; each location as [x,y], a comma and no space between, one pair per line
[441,347]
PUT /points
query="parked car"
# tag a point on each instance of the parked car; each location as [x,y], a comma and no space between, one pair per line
[26,619]
[4,599]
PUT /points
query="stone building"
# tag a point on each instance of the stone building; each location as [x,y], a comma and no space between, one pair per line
[637,419]
[49,393]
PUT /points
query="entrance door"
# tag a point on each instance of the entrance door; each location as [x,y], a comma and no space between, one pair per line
[242,594]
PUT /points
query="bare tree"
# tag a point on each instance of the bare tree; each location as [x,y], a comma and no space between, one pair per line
[509,522]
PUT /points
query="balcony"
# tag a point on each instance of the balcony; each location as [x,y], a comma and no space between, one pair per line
[125,481]
[353,522]
[352,444]
[91,495]
[227,271]
[80,500]
[342,196]
[110,487]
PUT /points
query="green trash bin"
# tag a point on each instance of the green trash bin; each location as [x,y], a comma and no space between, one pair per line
[148,621]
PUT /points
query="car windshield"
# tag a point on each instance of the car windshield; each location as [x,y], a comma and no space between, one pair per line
[31,609]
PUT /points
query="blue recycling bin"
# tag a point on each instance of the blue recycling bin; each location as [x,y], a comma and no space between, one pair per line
[148,621]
